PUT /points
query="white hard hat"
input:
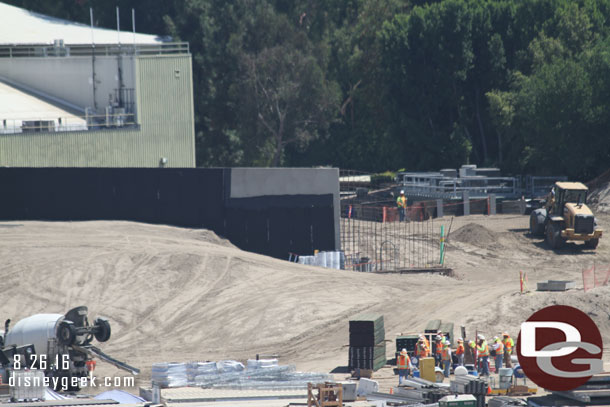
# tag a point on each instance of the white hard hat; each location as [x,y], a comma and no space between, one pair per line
[481,336]
[447,342]
[460,371]
[460,339]
[402,191]
[404,350]
[437,337]
[495,338]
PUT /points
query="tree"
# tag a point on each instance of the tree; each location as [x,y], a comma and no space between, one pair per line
[282,96]
[502,113]
[291,98]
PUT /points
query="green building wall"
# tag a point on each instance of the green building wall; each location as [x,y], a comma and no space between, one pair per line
[164,102]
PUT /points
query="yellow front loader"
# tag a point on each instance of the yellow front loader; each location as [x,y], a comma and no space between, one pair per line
[566,216]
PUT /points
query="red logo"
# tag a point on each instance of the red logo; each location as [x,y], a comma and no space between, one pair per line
[560,348]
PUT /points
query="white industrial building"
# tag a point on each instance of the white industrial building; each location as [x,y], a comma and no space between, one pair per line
[73,95]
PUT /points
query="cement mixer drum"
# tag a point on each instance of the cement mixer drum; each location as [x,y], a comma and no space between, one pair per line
[38,330]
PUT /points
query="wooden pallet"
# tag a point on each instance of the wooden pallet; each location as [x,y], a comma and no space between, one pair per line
[328,395]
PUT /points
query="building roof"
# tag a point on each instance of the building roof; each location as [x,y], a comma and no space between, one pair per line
[571,185]
[17,106]
[20,27]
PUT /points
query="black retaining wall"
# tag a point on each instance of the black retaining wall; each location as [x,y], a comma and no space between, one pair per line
[193,197]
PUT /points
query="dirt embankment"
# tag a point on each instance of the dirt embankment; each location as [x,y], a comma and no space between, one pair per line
[175,294]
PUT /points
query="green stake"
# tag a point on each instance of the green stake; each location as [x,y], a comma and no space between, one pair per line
[442,244]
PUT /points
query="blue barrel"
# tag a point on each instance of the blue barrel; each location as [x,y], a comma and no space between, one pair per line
[473,373]
[416,373]
[518,372]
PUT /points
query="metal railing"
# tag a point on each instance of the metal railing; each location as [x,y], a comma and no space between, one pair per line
[43,50]
[453,188]
[67,123]
[537,186]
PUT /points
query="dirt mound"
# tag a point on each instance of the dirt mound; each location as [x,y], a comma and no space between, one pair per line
[599,192]
[595,303]
[174,294]
[599,195]
[474,234]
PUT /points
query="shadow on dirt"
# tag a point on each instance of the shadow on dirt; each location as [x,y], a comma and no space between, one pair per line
[569,248]
[341,369]
[525,231]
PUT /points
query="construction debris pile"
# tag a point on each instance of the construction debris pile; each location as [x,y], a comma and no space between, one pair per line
[333,260]
[367,349]
[505,401]
[596,391]
[413,392]
[468,384]
[228,374]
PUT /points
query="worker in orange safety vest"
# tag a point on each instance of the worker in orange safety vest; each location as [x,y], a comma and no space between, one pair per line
[403,362]
[438,351]
[509,344]
[427,344]
[459,352]
[498,348]
[422,350]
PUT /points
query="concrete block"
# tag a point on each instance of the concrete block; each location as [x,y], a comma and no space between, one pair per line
[466,198]
[439,208]
[349,390]
[367,386]
[555,285]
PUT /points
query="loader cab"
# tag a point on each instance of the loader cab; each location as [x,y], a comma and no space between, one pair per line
[568,192]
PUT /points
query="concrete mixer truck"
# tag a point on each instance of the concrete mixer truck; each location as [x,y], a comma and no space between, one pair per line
[60,345]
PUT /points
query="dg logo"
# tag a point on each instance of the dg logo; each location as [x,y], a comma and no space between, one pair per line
[560,348]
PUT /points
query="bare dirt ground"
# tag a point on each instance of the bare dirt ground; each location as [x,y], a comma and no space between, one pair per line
[174,294]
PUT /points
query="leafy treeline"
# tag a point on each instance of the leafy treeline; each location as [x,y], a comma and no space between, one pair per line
[386,84]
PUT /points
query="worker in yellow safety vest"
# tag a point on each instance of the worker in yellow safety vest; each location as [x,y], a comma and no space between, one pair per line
[509,344]
[483,351]
[403,362]
[498,348]
[446,357]
[401,203]
[473,352]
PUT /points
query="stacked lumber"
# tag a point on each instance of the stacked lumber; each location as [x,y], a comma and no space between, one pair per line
[367,348]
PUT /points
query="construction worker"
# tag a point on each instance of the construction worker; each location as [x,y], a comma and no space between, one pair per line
[403,362]
[509,344]
[472,352]
[446,357]
[438,354]
[460,352]
[422,350]
[401,203]
[498,348]
[550,200]
[483,351]
[427,344]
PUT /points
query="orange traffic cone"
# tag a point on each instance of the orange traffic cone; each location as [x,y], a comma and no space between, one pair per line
[488,390]
[391,390]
